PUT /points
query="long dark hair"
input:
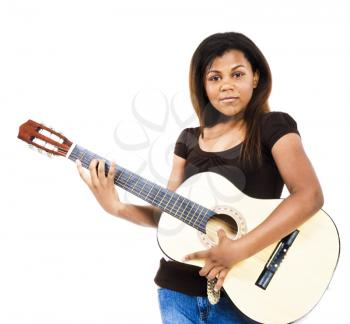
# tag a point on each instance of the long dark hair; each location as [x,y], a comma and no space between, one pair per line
[210,48]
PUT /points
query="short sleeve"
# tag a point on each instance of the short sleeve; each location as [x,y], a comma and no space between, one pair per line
[274,125]
[186,141]
[180,145]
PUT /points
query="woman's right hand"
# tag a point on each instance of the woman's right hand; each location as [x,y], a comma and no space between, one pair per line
[102,186]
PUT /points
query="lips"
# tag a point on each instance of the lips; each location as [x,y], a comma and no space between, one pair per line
[228,99]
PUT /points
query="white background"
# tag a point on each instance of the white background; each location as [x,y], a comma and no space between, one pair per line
[81,67]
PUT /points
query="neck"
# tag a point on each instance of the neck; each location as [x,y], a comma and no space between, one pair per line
[168,201]
[219,129]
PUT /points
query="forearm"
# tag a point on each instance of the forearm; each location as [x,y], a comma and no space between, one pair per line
[287,216]
[141,215]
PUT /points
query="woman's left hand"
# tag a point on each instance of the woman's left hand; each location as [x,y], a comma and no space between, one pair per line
[219,259]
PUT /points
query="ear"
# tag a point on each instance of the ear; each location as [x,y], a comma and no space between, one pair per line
[256,78]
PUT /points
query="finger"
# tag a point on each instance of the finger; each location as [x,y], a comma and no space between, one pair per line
[111,172]
[214,272]
[196,255]
[208,267]
[221,234]
[101,169]
[93,173]
[82,173]
[221,279]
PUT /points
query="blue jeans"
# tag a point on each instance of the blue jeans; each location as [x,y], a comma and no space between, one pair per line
[176,307]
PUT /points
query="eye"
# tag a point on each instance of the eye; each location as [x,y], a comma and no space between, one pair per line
[214,78]
[239,74]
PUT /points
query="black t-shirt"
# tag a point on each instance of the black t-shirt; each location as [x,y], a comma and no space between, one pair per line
[263,183]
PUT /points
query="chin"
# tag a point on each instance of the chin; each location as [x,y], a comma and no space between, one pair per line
[239,113]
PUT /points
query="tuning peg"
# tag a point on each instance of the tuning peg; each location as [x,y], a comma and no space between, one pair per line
[31,146]
[40,150]
[50,155]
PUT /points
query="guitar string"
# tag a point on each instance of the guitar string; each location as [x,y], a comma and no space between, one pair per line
[165,195]
[231,228]
[207,231]
[86,152]
[125,185]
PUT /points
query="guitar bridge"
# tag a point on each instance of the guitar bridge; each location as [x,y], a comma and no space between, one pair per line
[275,260]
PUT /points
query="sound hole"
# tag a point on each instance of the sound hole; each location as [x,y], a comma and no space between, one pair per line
[226,222]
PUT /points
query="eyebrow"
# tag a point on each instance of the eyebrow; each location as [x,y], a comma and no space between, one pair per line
[235,67]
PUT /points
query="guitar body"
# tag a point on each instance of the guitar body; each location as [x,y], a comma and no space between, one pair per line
[301,277]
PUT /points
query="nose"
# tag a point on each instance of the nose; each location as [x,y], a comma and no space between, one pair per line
[227,85]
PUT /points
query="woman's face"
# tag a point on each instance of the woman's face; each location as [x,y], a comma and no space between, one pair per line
[229,82]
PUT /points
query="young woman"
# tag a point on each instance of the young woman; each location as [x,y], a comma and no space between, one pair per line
[240,138]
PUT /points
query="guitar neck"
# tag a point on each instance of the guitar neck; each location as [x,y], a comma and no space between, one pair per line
[168,201]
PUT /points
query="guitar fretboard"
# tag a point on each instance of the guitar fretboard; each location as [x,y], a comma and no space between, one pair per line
[168,201]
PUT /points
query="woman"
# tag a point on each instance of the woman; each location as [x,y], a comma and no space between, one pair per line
[257,150]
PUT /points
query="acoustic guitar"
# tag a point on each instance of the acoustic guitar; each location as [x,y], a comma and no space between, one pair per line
[280,284]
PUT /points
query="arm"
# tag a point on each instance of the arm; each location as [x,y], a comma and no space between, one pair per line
[304,200]
[105,192]
[305,197]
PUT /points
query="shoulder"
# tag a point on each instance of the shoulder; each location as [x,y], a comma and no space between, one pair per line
[274,125]
[187,138]
[278,117]
[190,130]
[188,135]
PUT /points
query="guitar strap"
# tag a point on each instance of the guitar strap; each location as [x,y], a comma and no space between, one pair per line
[213,296]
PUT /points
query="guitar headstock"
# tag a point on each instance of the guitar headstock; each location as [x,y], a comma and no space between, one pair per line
[44,138]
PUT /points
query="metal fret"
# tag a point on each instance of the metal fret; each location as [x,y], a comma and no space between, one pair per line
[179,208]
[144,184]
[116,180]
[149,191]
[198,216]
[81,157]
[193,214]
[135,184]
[126,182]
[156,194]
[184,209]
[169,200]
